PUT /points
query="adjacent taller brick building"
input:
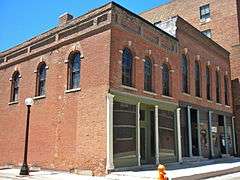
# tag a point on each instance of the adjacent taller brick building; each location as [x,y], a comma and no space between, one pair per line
[112,90]
[219,20]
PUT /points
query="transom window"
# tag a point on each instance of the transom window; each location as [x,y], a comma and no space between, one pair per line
[218,87]
[208,80]
[74,70]
[147,75]
[165,80]
[127,67]
[184,74]
[197,80]
[15,87]
[205,12]
[41,79]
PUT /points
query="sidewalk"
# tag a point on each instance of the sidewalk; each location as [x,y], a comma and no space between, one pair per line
[185,171]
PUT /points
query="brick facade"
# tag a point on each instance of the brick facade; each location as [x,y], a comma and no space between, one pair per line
[68,129]
[224,23]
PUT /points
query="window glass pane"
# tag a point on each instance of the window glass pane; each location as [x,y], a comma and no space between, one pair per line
[124,131]
[74,70]
[147,75]
[184,74]
[166,134]
[208,79]
[218,87]
[127,67]
[205,11]
[15,86]
[41,79]
[197,79]
[226,90]
[165,80]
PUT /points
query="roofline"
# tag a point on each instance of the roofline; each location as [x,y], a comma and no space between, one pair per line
[202,35]
[75,19]
[52,29]
[144,20]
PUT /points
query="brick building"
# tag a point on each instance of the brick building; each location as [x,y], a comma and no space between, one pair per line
[112,90]
[219,20]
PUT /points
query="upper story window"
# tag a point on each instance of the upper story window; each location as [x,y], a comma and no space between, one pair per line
[127,62]
[197,79]
[15,87]
[157,23]
[207,33]
[184,68]
[226,90]
[147,75]
[74,66]
[208,83]
[41,79]
[205,12]
[165,80]
[218,87]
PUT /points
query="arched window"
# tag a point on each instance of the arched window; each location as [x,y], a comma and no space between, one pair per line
[127,67]
[197,79]
[41,79]
[15,87]
[74,67]
[208,82]
[147,75]
[165,80]
[218,87]
[184,74]
[226,90]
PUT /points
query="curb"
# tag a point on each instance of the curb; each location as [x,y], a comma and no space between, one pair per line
[209,174]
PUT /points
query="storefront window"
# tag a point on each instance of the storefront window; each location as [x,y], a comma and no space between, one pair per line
[124,129]
[166,134]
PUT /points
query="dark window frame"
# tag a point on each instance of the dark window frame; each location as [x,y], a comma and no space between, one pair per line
[226,93]
[205,12]
[197,79]
[218,86]
[127,67]
[74,73]
[148,73]
[208,83]
[15,86]
[185,74]
[41,79]
[166,80]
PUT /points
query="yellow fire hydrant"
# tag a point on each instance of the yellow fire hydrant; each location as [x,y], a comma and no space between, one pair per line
[162,172]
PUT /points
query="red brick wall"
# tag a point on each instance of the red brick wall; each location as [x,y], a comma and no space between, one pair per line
[140,48]
[66,130]
[195,48]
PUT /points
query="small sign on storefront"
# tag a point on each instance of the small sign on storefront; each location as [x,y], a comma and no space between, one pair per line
[214,129]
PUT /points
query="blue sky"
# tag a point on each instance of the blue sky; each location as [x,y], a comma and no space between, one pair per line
[22,19]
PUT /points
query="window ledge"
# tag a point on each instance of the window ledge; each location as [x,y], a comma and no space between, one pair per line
[227,106]
[219,104]
[129,87]
[186,94]
[150,93]
[209,101]
[203,21]
[39,97]
[200,98]
[72,90]
[13,102]
[168,97]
